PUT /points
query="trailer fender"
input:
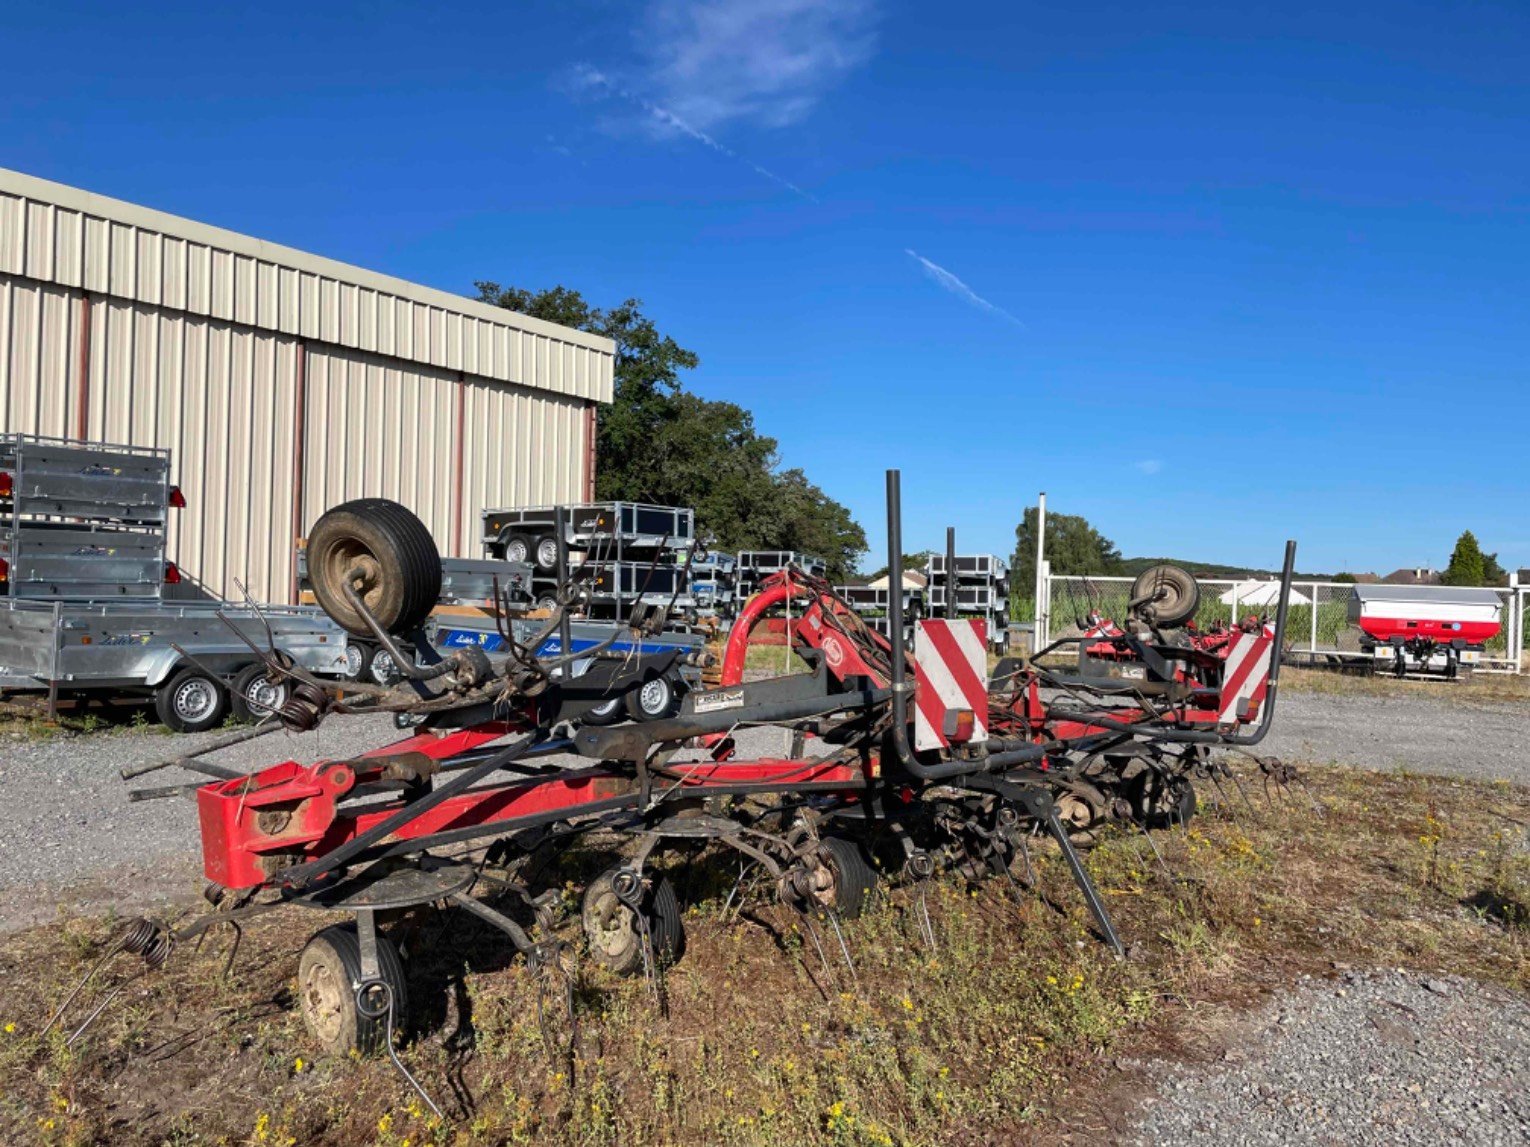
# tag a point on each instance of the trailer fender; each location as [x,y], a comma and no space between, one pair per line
[160,667]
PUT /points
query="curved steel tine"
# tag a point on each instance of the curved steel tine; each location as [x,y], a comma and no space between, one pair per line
[251,602]
[844,949]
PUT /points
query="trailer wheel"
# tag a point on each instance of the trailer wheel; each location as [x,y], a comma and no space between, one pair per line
[855,881]
[547,553]
[192,701]
[655,700]
[606,713]
[389,558]
[381,667]
[613,929]
[515,547]
[1175,592]
[357,658]
[254,696]
[328,971]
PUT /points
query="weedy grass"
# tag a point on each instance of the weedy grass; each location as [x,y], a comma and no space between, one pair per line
[1482,687]
[1005,1032]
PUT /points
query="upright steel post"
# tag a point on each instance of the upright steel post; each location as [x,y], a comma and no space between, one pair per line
[950,573]
[565,636]
[1039,627]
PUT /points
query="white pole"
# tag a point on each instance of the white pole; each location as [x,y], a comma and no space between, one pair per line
[1041,539]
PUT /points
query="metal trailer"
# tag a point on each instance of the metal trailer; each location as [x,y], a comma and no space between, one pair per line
[754,566]
[194,658]
[625,553]
[653,699]
[83,521]
[980,588]
[714,584]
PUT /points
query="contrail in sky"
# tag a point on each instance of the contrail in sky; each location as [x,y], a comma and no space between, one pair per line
[592,77]
[951,283]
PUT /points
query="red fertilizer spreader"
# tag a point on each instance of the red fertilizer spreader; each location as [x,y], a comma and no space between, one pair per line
[1438,629]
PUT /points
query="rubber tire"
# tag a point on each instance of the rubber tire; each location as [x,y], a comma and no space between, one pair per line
[547,602]
[609,713]
[516,547]
[548,562]
[164,702]
[338,949]
[666,928]
[635,703]
[238,695]
[405,581]
[1184,594]
[376,668]
[360,654]
[855,881]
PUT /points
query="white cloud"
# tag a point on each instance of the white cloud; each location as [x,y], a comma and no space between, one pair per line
[587,78]
[951,283]
[1150,465]
[714,62]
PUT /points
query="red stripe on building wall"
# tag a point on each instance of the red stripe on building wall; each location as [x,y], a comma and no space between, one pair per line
[459,445]
[299,464]
[82,386]
[591,435]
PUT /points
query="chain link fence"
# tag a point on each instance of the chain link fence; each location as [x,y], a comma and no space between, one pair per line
[1317,625]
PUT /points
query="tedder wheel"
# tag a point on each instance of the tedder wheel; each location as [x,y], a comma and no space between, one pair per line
[328,969]
[654,700]
[547,553]
[192,701]
[612,928]
[357,657]
[516,547]
[254,696]
[388,557]
[855,881]
[1175,593]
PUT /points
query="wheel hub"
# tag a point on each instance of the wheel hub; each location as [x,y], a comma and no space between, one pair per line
[194,700]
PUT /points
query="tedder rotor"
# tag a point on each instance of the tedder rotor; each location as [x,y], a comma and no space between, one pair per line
[916,758]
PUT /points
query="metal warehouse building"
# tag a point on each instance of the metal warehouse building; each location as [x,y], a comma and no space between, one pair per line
[283,382]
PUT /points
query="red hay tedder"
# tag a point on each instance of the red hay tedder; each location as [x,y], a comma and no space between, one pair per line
[918,757]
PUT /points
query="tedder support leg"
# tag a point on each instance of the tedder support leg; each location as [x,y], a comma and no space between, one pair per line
[1039,804]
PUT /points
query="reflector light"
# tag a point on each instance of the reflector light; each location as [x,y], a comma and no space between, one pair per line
[7,484]
[177,499]
[959,724]
[5,570]
[172,574]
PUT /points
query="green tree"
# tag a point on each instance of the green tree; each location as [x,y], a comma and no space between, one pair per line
[1492,572]
[1344,578]
[1073,547]
[1467,566]
[658,442]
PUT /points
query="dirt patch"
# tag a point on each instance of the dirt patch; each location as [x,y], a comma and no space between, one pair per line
[1010,1031]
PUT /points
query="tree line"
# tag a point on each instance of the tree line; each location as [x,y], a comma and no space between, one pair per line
[659,442]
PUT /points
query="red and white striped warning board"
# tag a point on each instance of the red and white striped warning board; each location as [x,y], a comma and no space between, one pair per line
[1245,677]
[952,660]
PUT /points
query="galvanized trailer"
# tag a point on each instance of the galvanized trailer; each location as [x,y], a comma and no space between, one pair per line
[194,658]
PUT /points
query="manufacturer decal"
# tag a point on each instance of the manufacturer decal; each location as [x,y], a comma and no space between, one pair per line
[833,651]
[718,700]
[93,552]
[97,469]
[126,638]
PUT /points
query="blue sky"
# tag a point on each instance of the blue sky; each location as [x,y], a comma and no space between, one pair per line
[1211,275]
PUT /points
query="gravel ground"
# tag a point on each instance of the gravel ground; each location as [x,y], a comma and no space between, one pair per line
[70,836]
[1482,741]
[1377,1057]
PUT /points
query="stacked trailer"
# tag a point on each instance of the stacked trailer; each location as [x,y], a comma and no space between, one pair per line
[754,566]
[621,555]
[874,605]
[714,585]
[981,590]
[82,567]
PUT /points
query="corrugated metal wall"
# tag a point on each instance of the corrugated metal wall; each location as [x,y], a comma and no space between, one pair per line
[129,326]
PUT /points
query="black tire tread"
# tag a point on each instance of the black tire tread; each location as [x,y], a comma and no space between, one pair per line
[855,881]
[165,709]
[371,1033]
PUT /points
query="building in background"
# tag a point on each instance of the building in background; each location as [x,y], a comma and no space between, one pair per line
[283,382]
